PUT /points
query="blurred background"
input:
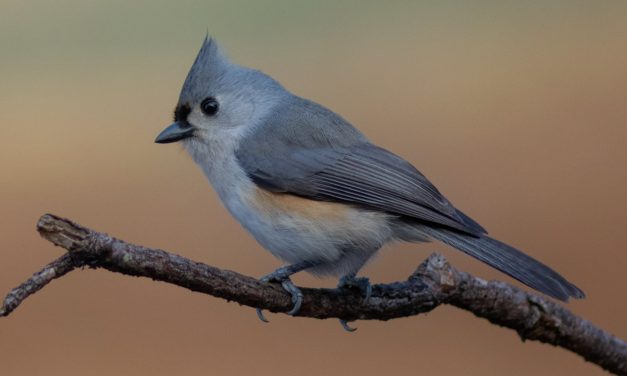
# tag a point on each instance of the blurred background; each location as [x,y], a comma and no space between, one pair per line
[515,110]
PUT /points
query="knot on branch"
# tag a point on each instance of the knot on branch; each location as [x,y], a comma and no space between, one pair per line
[540,317]
[437,273]
[84,245]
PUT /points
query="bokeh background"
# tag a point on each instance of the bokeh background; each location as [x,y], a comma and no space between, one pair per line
[516,110]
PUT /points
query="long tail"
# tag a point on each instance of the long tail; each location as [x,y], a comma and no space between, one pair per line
[510,261]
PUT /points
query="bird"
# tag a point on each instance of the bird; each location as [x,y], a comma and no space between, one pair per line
[315,191]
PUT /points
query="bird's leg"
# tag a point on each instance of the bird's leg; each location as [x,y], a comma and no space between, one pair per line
[352,281]
[282,275]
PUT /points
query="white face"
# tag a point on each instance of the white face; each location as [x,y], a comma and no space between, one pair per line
[232,113]
[217,135]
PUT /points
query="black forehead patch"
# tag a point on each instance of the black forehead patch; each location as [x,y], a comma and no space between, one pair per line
[181,112]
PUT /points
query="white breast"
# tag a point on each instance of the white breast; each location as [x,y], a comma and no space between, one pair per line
[292,228]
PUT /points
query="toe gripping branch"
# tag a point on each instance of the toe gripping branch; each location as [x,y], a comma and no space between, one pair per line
[282,275]
[351,281]
[347,282]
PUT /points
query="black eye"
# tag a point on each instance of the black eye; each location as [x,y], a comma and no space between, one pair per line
[209,106]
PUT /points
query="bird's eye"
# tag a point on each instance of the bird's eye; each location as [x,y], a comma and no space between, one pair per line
[209,106]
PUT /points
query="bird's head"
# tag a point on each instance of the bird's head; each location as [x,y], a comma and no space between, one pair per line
[219,101]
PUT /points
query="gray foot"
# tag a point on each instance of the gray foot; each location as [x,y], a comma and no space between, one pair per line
[350,281]
[362,283]
[282,275]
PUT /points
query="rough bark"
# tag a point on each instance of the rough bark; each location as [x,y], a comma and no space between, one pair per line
[434,283]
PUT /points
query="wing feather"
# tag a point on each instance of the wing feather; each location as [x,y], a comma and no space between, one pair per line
[364,175]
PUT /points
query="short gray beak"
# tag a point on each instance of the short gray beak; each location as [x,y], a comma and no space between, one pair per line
[174,132]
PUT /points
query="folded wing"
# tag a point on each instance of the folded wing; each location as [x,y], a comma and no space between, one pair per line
[361,174]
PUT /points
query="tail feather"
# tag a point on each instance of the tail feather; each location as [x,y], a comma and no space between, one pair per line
[510,261]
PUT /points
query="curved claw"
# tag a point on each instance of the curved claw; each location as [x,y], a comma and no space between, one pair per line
[297,295]
[296,307]
[261,316]
[346,327]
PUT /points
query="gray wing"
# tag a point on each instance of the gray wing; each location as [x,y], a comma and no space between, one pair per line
[336,163]
[313,153]
[363,175]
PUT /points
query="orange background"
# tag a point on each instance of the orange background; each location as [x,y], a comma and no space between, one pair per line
[516,111]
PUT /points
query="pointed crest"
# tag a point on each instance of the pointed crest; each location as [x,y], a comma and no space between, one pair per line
[210,65]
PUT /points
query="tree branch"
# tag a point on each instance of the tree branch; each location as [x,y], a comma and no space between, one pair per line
[435,282]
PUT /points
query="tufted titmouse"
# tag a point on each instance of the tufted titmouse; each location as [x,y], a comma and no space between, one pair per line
[312,189]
